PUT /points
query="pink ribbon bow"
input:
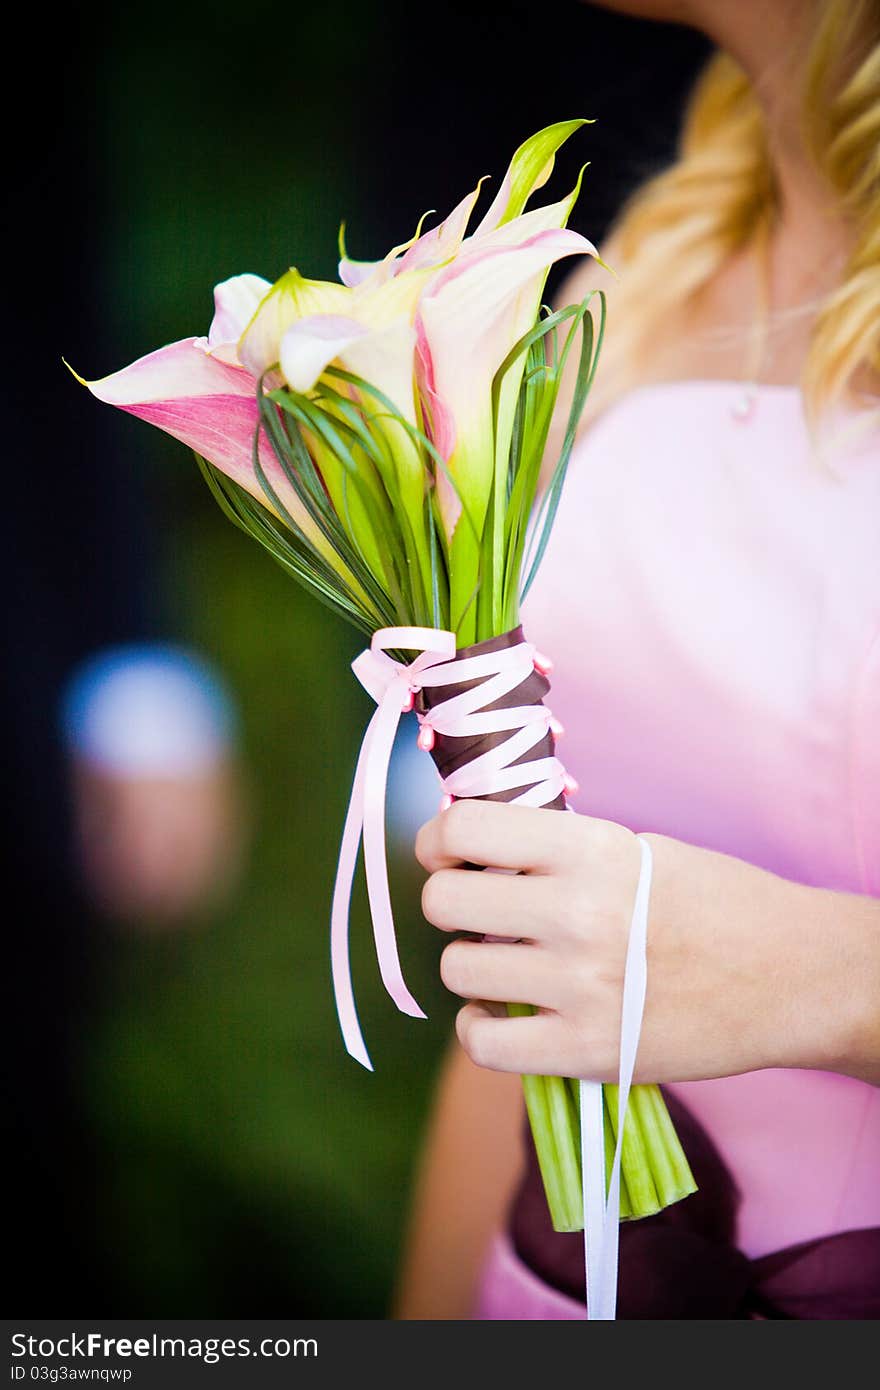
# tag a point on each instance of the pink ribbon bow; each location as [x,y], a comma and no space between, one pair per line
[392,685]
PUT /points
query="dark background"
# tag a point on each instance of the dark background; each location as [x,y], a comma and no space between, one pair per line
[187,1136]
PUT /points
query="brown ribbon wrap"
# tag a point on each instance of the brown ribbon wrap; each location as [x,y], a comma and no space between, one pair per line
[450,754]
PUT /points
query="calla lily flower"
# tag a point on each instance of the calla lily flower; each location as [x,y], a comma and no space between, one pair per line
[481,299]
[235,303]
[472,310]
[529,169]
[304,325]
[368,329]
[469,319]
[198,391]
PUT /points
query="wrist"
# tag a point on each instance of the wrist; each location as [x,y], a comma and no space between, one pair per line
[848,1002]
[749,971]
[826,969]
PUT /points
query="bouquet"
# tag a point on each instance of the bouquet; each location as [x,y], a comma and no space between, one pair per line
[383,438]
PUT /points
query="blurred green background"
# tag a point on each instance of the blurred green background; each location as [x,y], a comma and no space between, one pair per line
[239,1162]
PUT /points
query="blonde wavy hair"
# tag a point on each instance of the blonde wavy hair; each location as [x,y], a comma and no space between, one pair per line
[720,196]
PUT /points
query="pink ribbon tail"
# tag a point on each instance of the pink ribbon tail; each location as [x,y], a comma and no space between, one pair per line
[340,963]
[391,684]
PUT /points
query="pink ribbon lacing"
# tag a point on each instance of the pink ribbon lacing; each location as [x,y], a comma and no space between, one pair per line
[394,687]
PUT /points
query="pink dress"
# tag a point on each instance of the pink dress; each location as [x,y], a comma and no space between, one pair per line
[711,598]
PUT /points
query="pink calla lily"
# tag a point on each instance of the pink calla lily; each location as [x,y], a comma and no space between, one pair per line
[469,318]
[481,295]
[299,321]
[290,299]
[310,344]
[235,303]
[353,273]
[196,391]
[208,405]
[438,245]
[479,303]
[367,329]
[529,169]
[201,400]
[384,357]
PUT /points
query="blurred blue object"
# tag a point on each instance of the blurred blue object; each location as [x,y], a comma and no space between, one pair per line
[414,789]
[148,709]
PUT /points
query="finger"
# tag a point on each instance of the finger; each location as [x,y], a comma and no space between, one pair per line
[507,974]
[494,833]
[534,1044]
[501,905]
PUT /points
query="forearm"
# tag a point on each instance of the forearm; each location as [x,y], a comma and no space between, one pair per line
[810,956]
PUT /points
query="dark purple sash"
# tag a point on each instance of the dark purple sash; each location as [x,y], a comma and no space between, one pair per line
[683,1263]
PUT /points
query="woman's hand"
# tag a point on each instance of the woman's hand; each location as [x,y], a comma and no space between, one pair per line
[745,970]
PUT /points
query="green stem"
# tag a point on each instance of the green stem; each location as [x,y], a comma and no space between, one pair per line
[556,1137]
[634,1159]
[626,1206]
[671,1171]
[654,1172]
[566,1130]
[541,1121]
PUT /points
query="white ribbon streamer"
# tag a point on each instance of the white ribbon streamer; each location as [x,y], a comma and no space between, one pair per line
[601,1216]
